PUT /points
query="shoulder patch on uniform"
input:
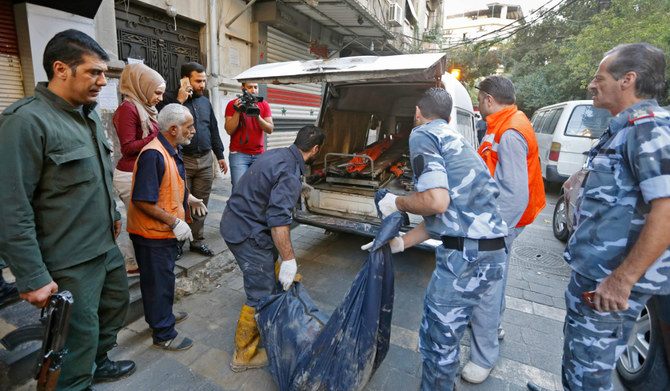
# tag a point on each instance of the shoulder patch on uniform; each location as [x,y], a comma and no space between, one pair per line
[418,165]
[640,114]
[11,109]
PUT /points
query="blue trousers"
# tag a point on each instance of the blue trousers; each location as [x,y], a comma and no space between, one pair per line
[456,287]
[594,340]
[258,269]
[239,163]
[157,285]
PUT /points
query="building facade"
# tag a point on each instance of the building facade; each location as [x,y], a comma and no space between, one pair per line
[226,36]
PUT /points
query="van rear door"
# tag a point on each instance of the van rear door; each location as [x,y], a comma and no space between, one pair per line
[400,68]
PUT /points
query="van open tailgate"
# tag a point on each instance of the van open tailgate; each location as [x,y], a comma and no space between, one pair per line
[400,68]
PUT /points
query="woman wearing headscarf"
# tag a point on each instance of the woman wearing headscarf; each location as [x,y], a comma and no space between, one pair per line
[136,124]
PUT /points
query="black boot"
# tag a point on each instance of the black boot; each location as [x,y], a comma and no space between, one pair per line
[108,370]
[8,292]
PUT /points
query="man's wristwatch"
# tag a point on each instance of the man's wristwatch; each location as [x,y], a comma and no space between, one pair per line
[176,222]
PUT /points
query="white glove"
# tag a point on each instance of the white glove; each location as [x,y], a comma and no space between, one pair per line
[182,231]
[387,205]
[287,272]
[198,207]
[306,190]
[397,245]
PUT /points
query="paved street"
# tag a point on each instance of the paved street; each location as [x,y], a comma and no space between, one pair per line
[533,321]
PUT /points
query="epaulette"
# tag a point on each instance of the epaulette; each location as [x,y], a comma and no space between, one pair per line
[641,114]
[11,109]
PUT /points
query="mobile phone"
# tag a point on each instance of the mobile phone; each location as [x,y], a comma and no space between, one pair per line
[185,84]
[588,298]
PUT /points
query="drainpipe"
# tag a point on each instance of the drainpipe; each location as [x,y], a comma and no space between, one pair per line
[214,59]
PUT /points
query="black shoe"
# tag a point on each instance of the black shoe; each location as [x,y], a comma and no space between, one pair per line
[109,370]
[8,292]
[180,316]
[89,388]
[180,252]
[204,250]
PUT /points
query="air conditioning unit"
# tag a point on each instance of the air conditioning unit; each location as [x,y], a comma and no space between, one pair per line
[395,15]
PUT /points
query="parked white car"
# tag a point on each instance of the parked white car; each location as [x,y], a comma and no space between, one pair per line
[565,132]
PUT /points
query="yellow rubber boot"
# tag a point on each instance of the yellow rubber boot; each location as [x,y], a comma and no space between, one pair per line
[298,276]
[247,353]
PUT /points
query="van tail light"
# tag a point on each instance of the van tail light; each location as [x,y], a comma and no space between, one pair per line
[554,151]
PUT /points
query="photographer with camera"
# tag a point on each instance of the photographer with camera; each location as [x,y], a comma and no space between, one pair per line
[247,119]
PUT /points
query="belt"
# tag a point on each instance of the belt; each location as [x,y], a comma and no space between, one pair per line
[456,243]
[196,155]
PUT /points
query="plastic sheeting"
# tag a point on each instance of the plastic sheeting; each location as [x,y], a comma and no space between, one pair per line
[345,353]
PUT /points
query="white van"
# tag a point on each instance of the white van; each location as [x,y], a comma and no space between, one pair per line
[565,132]
[368,105]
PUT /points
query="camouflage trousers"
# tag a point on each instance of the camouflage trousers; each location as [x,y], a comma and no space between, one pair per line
[593,340]
[486,318]
[457,285]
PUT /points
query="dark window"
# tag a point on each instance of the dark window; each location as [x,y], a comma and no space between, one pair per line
[552,120]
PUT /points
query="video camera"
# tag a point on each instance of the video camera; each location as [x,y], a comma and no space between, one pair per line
[248,104]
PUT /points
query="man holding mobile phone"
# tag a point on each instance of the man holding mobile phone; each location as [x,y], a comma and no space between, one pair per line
[198,154]
[619,251]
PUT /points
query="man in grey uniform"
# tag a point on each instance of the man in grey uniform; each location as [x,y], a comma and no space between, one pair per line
[619,250]
[457,197]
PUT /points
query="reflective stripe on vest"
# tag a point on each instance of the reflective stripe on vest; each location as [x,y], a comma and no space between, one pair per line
[498,123]
[170,198]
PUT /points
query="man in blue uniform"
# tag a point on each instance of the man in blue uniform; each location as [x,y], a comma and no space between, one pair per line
[620,246]
[457,197]
[259,212]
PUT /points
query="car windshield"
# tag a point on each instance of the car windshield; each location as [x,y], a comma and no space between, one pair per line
[587,121]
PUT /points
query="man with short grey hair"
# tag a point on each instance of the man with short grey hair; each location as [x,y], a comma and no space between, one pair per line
[619,250]
[157,220]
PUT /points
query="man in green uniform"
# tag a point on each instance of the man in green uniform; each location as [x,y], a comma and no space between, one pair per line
[60,218]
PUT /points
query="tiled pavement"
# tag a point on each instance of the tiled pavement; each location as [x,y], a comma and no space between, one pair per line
[533,320]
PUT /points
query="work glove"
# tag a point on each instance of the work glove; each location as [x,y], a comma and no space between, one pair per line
[287,272]
[387,205]
[197,206]
[397,245]
[182,231]
[306,190]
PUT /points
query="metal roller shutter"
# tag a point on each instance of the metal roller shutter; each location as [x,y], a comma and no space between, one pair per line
[11,78]
[293,106]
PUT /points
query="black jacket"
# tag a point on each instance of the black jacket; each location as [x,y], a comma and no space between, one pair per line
[206,136]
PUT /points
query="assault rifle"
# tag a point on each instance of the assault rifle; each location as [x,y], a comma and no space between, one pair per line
[57,313]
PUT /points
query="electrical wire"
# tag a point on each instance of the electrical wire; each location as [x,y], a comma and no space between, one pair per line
[563,4]
[517,21]
[512,25]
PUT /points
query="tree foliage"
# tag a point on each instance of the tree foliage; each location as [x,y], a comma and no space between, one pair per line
[554,60]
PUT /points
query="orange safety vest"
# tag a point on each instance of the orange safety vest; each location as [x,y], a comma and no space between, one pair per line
[170,198]
[498,123]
